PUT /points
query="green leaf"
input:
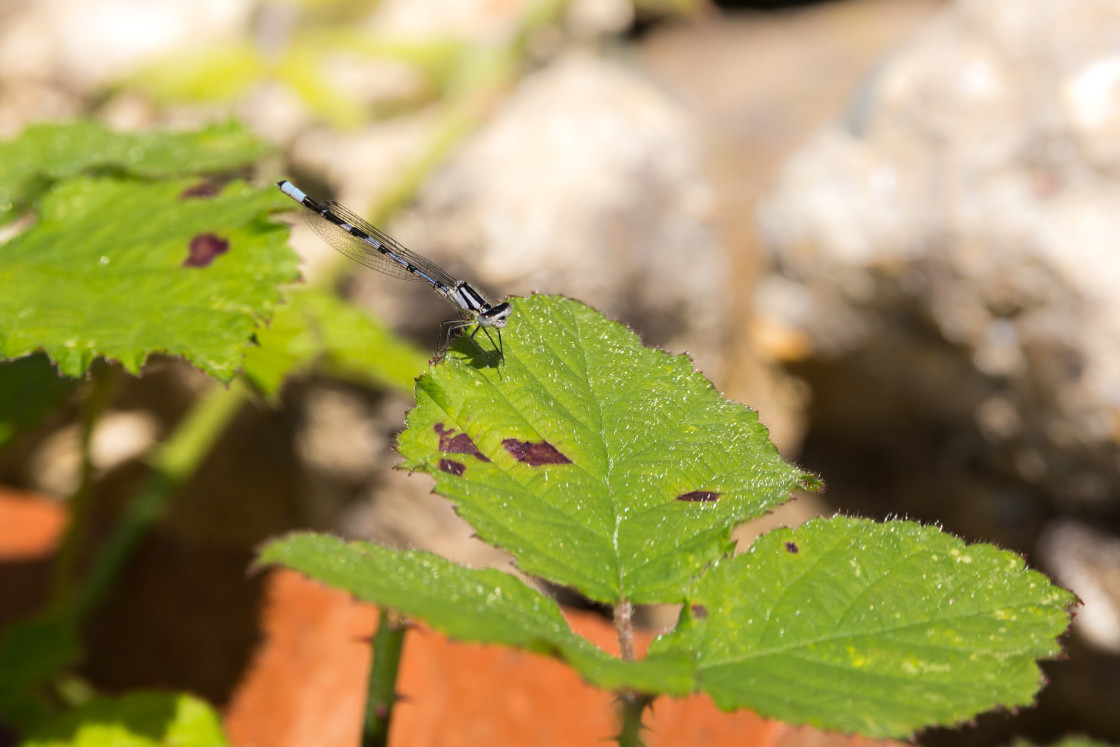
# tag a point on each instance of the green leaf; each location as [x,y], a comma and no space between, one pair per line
[318,326]
[45,154]
[619,470]
[470,605]
[600,464]
[123,269]
[135,720]
[879,629]
[30,388]
[32,651]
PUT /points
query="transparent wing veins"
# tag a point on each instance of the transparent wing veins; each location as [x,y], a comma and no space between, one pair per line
[365,253]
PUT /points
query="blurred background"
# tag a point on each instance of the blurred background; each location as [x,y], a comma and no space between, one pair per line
[887,225]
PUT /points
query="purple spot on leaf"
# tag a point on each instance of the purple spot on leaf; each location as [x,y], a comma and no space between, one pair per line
[699,496]
[791,547]
[452,467]
[699,611]
[203,249]
[202,189]
[457,443]
[534,453]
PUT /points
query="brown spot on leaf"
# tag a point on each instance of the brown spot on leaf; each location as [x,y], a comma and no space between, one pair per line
[699,611]
[534,453]
[451,442]
[699,496]
[452,467]
[202,189]
[792,547]
[203,249]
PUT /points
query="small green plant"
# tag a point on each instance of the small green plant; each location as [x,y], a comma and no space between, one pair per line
[601,465]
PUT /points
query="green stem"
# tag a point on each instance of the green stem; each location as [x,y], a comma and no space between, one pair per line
[102,388]
[633,705]
[382,692]
[175,461]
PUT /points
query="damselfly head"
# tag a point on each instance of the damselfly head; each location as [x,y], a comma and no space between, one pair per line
[497,315]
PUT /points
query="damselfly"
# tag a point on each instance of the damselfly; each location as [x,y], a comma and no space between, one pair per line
[363,243]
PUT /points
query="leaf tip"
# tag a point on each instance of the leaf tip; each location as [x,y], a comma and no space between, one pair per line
[811,483]
[266,550]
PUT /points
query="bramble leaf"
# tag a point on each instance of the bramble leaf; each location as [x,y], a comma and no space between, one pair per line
[599,463]
[470,605]
[32,650]
[47,153]
[619,470]
[880,629]
[124,269]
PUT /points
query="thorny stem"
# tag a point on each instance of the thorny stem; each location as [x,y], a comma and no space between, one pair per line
[633,706]
[388,643]
[103,386]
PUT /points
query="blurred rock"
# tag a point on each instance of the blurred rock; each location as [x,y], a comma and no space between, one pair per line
[118,438]
[56,54]
[949,254]
[587,182]
[753,84]
[946,256]
[337,433]
[342,441]
[489,21]
[1087,562]
[482,21]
